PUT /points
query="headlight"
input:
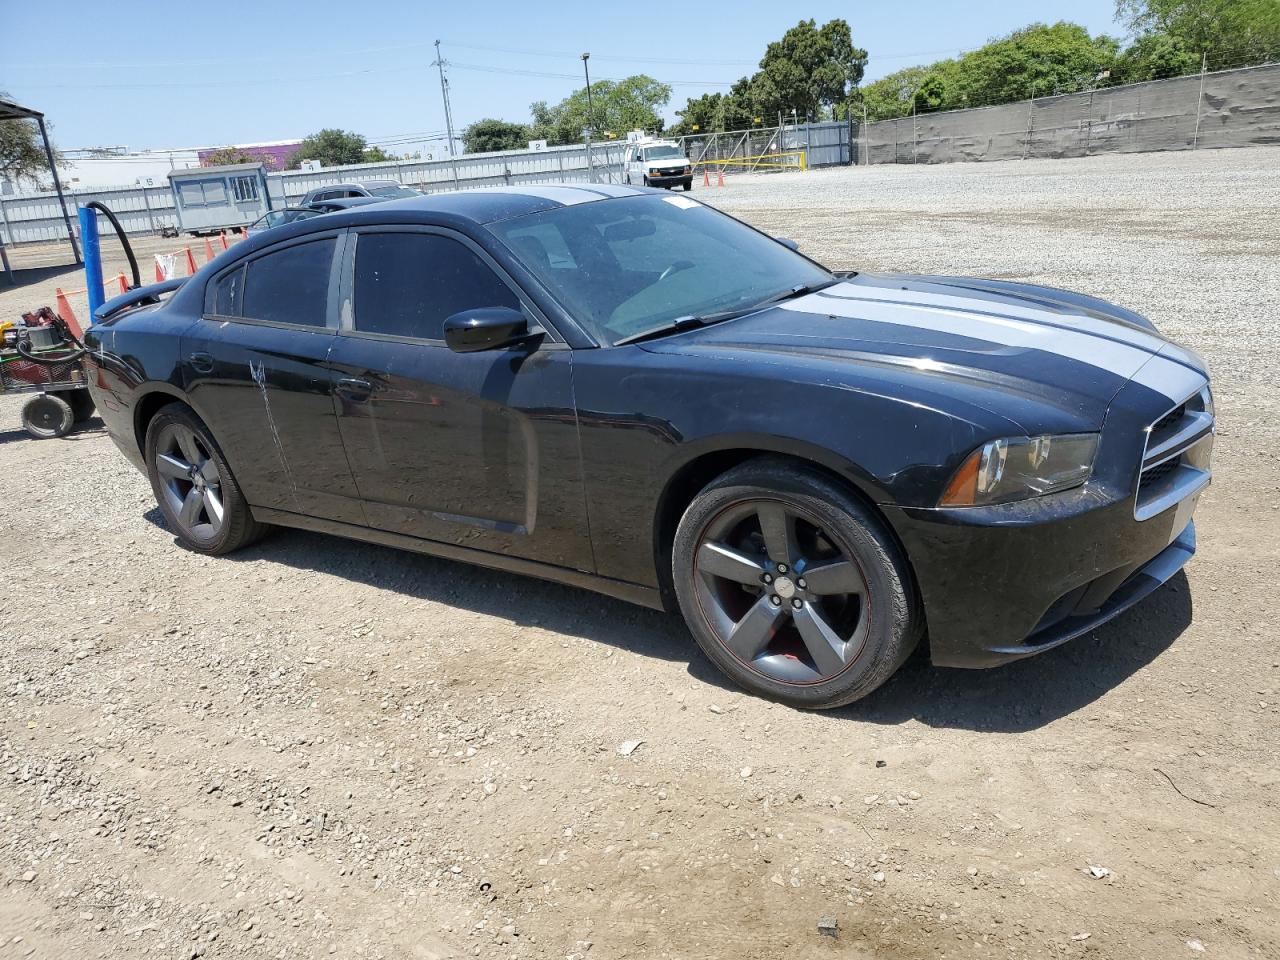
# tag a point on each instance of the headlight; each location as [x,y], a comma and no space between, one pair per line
[1020,468]
[653,172]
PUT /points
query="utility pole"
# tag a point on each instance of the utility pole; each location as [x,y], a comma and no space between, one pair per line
[591,119]
[448,114]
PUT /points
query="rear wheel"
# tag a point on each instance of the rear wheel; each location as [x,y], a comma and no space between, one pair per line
[792,586]
[47,415]
[194,486]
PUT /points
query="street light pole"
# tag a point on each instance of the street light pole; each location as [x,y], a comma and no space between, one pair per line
[591,119]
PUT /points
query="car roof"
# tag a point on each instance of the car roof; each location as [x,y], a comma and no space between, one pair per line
[489,204]
[479,206]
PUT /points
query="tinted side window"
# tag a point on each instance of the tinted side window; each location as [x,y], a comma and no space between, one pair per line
[407,284]
[227,293]
[290,285]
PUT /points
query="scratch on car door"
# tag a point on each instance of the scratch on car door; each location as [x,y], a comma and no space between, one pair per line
[259,374]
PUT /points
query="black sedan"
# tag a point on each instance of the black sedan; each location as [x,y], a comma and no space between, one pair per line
[632,392]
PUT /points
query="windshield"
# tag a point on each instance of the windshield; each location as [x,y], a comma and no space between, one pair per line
[663,153]
[392,190]
[627,265]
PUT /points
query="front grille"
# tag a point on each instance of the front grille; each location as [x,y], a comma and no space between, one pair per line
[1152,476]
[1169,420]
[1175,461]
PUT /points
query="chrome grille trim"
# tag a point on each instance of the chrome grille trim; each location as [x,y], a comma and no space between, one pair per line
[1173,466]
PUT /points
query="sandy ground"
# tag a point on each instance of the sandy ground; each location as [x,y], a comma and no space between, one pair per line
[319,748]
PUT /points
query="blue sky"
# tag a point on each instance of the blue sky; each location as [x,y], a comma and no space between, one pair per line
[198,74]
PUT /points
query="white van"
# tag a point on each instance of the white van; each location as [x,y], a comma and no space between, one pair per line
[657,163]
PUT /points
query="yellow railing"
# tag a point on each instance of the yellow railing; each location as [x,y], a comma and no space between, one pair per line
[793,159]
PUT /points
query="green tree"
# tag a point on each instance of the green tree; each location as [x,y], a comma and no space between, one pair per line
[892,96]
[810,69]
[618,106]
[333,148]
[1231,33]
[376,155]
[228,155]
[1154,56]
[488,135]
[711,112]
[22,152]
[1036,61]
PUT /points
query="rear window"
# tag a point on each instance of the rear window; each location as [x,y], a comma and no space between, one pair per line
[290,285]
[226,293]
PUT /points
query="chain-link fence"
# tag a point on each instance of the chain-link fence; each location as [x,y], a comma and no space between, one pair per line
[1231,108]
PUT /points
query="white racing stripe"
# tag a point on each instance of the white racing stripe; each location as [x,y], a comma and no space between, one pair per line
[1120,359]
[1170,378]
[1005,308]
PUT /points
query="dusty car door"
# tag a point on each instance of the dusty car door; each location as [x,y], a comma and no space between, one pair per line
[474,449]
[255,370]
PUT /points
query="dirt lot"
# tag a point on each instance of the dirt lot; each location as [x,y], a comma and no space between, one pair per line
[320,748]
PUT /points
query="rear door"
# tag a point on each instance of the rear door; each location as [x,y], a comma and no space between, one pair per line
[478,449]
[256,370]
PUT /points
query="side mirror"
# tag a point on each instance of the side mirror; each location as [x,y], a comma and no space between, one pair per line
[788,243]
[485,328]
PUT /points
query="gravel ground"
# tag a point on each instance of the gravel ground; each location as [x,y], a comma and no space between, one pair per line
[318,747]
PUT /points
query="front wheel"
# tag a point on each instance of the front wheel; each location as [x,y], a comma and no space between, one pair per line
[688,185]
[645,181]
[793,587]
[197,493]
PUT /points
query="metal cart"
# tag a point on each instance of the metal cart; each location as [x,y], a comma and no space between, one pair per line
[55,378]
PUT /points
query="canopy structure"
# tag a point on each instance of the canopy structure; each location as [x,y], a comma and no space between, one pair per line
[14,111]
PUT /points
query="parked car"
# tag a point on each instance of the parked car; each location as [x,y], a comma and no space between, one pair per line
[276,218]
[657,163]
[385,189]
[285,215]
[345,203]
[632,392]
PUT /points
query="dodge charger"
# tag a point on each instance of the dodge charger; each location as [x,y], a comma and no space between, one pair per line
[631,392]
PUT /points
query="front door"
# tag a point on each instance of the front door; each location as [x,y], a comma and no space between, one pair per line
[255,369]
[478,449]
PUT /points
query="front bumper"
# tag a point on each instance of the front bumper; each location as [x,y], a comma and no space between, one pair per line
[999,587]
[670,180]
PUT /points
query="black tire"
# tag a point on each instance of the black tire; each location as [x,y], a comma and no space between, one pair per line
[173,427]
[81,404]
[46,416]
[876,624]
[688,185]
[645,181]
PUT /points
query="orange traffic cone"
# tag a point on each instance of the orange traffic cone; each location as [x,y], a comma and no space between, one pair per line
[64,311]
[223,235]
[208,250]
[720,177]
[124,284]
[159,272]
[191,262]
[706,177]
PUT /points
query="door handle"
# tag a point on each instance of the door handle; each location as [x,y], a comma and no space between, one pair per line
[201,362]
[357,391]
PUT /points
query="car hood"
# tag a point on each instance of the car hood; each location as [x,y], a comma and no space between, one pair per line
[1045,348]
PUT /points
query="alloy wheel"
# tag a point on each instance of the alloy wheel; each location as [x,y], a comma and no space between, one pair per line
[782,595]
[190,481]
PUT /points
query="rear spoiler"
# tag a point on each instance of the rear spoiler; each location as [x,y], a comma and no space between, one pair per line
[136,297]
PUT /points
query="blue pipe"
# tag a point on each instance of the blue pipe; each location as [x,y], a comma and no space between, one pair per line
[92,258]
